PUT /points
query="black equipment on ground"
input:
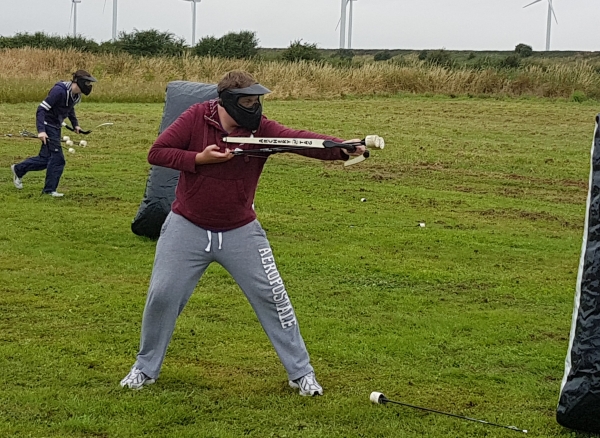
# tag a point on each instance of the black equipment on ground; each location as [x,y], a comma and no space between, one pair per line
[579,400]
[162,181]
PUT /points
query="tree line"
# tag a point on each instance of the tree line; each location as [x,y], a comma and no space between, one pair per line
[233,45]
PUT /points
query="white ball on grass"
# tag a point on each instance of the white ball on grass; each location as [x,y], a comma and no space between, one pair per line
[71,150]
[69,142]
[66,138]
[83,143]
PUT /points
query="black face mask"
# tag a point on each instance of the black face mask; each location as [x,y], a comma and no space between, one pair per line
[84,85]
[248,118]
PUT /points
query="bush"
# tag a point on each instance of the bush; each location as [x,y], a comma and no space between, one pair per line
[234,45]
[40,40]
[423,55]
[578,96]
[523,50]
[511,61]
[346,54]
[297,51]
[241,45]
[384,55]
[151,43]
[209,46]
[109,47]
[440,58]
[341,58]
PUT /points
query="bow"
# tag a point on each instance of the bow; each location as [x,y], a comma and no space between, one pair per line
[275,145]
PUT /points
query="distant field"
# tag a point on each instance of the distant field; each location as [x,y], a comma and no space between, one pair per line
[562,55]
[470,314]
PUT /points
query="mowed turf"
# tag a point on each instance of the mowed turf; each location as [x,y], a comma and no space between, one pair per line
[470,314]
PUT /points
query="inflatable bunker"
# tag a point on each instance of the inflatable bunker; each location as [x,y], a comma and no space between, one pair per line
[579,402]
[161,184]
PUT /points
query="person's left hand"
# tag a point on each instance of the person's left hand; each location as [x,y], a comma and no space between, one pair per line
[77,129]
[359,149]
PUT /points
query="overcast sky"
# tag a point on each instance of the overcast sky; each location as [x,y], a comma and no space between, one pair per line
[377,24]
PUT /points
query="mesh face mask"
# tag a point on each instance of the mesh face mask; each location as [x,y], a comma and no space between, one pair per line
[241,105]
[85,83]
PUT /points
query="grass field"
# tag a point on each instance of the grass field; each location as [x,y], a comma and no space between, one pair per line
[470,314]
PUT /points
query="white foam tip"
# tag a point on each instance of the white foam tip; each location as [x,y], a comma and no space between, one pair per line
[374,141]
[375,397]
[371,141]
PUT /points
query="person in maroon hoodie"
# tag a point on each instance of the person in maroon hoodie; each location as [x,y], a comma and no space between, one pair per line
[212,219]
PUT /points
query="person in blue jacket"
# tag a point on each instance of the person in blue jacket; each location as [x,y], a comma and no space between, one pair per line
[58,105]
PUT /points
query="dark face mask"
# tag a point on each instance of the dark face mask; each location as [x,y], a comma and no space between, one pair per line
[84,85]
[246,117]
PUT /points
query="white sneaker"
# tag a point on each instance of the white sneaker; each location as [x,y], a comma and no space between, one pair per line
[55,194]
[136,379]
[16,180]
[308,385]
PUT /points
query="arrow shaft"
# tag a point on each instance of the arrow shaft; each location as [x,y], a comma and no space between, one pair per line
[385,400]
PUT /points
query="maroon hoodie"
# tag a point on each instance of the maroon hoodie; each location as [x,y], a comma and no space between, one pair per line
[219,197]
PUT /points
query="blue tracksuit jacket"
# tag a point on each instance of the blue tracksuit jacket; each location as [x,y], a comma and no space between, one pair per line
[58,105]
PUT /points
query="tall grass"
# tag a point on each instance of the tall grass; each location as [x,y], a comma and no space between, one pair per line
[26,74]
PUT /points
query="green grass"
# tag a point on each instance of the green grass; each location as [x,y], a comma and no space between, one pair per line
[470,314]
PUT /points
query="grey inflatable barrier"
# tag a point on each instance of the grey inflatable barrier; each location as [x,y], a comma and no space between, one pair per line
[579,402]
[161,184]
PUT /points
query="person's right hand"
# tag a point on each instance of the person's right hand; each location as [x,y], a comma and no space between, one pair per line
[43,136]
[212,155]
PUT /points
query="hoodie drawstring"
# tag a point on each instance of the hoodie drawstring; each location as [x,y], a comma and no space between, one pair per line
[209,235]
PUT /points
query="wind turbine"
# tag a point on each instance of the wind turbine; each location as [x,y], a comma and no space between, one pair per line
[193,20]
[74,16]
[549,25]
[342,24]
[350,24]
[114,23]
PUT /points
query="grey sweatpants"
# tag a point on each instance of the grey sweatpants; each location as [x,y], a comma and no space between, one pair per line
[183,253]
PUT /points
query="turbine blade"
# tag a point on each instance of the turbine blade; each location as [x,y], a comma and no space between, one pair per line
[533,3]
[552,9]
[71,15]
[338,25]
[340,20]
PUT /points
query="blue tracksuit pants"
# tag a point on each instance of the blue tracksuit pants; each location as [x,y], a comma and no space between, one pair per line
[51,158]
